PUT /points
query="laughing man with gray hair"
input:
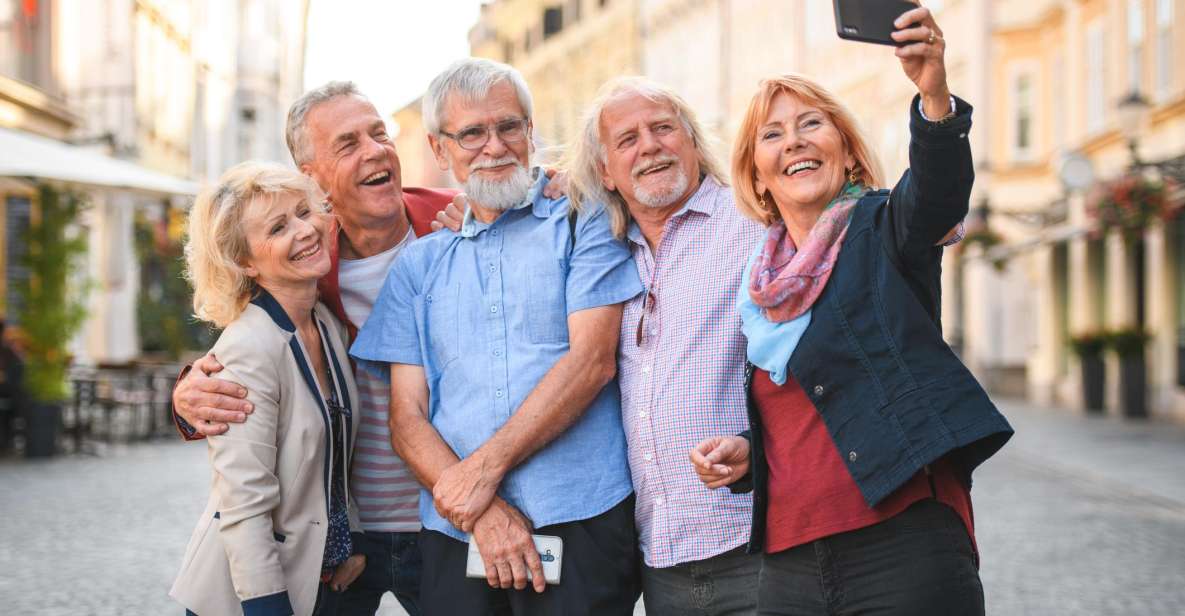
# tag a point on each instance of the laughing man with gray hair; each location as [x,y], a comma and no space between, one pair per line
[504,401]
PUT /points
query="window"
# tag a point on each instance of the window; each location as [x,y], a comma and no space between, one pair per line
[1022,116]
[1135,44]
[1096,95]
[16,217]
[1164,47]
[553,21]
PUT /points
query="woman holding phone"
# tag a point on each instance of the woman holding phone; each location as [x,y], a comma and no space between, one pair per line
[865,427]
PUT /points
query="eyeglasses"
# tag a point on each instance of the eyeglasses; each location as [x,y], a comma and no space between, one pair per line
[475,137]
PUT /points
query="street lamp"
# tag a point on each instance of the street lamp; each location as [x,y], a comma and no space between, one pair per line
[1133,109]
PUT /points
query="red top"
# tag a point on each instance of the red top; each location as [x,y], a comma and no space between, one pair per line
[421,204]
[811,493]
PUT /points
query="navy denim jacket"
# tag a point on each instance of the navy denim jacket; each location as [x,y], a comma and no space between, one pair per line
[893,395]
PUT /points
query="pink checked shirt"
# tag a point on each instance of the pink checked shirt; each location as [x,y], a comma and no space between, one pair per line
[685,382]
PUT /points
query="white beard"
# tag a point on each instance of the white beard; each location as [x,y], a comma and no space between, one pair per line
[498,195]
[662,196]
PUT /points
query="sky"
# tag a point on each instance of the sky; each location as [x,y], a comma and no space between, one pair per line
[390,48]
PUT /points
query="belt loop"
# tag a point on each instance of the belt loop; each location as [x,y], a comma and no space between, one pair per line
[930,478]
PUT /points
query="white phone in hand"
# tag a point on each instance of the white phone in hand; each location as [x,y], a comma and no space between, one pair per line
[551,552]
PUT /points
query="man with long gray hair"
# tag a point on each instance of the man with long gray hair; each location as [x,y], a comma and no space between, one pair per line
[500,342]
[641,151]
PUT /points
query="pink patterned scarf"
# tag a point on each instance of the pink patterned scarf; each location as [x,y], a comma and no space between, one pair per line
[786,281]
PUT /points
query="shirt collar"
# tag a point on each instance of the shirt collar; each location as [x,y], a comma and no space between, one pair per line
[541,207]
[703,201]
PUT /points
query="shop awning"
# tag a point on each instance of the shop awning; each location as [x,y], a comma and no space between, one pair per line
[25,155]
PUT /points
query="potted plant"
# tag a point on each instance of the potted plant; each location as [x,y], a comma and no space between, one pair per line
[1128,344]
[51,311]
[1088,346]
[1128,204]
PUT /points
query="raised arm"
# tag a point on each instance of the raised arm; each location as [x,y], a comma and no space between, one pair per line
[932,198]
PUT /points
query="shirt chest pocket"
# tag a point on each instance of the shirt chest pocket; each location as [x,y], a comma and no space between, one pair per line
[442,307]
[547,304]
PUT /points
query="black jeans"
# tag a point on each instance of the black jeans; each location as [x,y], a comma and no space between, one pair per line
[723,585]
[598,575]
[917,563]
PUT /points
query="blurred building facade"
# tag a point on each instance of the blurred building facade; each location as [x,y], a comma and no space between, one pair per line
[418,167]
[565,50]
[172,92]
[1046,78]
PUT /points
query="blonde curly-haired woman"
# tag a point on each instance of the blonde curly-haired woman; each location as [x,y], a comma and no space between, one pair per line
[278,520]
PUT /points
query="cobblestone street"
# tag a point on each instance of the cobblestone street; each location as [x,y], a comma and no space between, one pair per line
[1077,516]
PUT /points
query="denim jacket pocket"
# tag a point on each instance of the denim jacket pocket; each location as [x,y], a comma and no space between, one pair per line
[547,304]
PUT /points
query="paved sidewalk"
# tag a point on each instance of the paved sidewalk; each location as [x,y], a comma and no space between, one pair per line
[1076,516]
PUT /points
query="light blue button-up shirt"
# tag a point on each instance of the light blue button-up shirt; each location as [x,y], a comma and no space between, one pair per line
[485,312]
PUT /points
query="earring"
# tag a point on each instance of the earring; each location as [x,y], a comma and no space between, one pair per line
[853,175]
[761,202]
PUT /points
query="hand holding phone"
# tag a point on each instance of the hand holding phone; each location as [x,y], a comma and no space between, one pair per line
[869,21]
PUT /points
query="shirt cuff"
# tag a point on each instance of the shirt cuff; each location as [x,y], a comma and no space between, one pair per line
[268,605]
[928,119]
[186,431]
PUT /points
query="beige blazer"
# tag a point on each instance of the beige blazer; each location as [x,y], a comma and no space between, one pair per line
[263,531]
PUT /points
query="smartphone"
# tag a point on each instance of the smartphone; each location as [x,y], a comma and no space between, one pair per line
[551,552]
[869,21]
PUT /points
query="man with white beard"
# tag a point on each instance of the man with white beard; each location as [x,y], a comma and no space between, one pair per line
[504,401]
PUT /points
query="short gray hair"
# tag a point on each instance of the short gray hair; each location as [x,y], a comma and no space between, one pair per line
[587,154]
[472,79]
[296,132]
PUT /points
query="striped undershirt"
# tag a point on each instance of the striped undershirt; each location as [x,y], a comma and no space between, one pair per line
[387,493]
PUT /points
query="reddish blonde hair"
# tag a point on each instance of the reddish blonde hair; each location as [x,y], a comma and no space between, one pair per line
[744,170]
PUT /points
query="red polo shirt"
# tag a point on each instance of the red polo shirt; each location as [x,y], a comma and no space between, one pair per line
[811,493]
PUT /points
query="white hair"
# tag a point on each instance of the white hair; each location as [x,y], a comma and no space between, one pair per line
[587,155]
[471,79]
[296,132]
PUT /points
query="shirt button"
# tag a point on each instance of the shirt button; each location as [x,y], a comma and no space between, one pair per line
[494,232]
[852,456]
[648,457]
[498,393]
[818,390]
[429,298]
[643,414]
[658,501]
[494,309]
[497,353]
[493,267]
[645,369]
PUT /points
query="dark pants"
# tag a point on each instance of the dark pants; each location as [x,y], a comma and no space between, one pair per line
[392,565]
[917,563]
[723,585]
[598,575]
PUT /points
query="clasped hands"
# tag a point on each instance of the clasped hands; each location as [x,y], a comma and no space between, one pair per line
[465,494]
